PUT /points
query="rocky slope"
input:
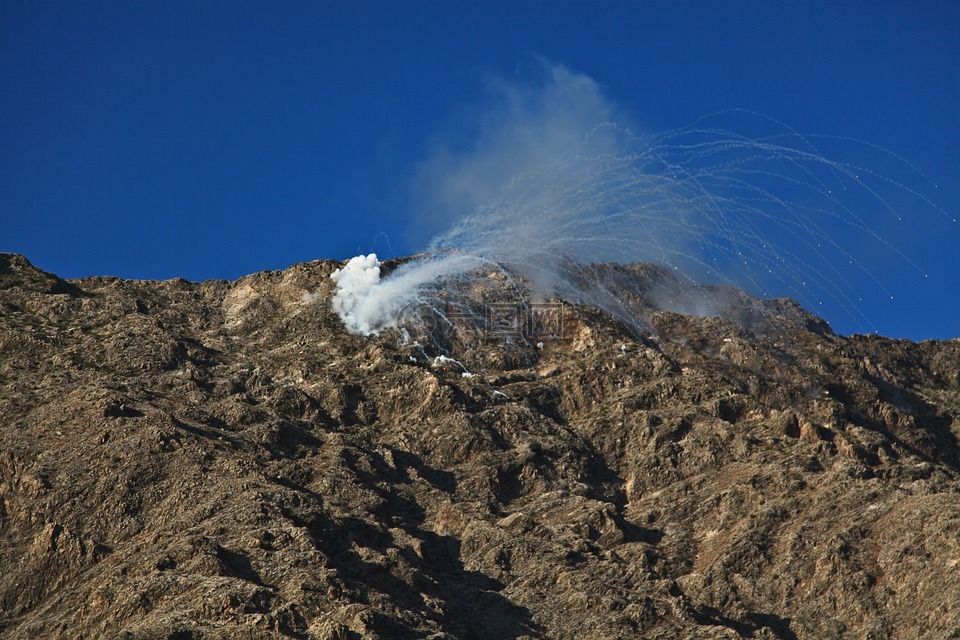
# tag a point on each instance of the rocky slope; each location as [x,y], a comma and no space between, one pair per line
[222,460]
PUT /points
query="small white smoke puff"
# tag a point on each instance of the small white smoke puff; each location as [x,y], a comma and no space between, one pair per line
[356,300]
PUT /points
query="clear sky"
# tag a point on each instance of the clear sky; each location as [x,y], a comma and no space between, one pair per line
[214,139]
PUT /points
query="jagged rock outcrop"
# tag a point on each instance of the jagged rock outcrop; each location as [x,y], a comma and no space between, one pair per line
[223,460]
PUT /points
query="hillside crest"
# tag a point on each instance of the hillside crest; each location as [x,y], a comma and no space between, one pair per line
[223,460]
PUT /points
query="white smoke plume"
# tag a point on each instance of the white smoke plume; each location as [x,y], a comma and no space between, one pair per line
[368,304]
[355,300]
[550,182]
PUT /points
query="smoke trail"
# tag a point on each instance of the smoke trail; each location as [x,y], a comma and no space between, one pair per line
[552,184]
[368,304]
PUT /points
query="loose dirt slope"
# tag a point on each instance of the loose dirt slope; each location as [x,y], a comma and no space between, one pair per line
[222,460]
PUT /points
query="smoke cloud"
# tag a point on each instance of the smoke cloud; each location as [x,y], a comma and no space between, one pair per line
[551,180]
[368,304]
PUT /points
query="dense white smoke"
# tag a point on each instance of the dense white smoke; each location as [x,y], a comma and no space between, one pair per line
[368,304]
[356,300]
[551,183]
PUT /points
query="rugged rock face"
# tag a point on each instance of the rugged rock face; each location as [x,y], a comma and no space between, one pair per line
[222,460]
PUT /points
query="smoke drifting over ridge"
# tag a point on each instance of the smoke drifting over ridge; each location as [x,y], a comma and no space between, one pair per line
[552,181]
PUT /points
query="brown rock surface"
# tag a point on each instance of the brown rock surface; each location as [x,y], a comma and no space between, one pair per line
[222,460]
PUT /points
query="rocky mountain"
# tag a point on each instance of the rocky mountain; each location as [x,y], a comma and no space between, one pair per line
[223,460]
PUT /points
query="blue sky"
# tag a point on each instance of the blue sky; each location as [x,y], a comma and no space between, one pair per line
[215,139]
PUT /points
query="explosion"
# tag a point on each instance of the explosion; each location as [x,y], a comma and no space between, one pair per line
[553,184]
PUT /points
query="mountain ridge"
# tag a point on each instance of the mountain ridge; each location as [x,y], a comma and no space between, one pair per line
[223,460]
